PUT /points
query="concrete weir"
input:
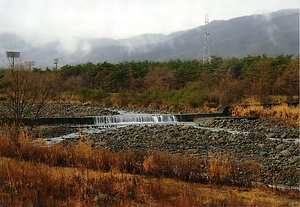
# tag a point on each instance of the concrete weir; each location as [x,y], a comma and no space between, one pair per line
[53,121]
[223,112]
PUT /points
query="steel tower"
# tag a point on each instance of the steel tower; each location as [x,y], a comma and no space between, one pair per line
[206,52]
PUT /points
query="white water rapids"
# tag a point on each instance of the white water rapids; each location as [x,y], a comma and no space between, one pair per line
[135,119]
[102,123]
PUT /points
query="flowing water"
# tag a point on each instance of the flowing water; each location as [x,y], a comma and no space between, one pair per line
[102,123]
[135,119]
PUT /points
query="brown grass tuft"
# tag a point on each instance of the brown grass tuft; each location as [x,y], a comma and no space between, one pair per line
[79,175]
[280,113]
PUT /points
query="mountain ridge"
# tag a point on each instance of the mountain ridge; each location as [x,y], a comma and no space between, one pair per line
[272,34]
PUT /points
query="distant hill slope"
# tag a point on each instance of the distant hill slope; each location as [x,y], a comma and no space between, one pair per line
[271,34]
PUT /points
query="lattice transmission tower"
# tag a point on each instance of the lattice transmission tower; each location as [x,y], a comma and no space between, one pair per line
[206,52]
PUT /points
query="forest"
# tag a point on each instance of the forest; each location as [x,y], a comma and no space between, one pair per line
[176,85]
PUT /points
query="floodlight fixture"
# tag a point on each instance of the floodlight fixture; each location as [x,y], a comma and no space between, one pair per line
[13,55]
[30,63]
[55,62]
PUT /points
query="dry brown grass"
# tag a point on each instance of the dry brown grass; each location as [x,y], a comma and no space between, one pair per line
[158,164]
[281,113]
[28,184]
[78,175]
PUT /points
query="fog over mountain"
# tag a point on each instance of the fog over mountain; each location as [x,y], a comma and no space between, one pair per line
[271,34]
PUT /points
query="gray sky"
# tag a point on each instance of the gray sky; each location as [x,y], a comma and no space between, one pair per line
[42,21]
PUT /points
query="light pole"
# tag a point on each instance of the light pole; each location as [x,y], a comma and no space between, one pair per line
[13,55]
[30,63]
[55,62]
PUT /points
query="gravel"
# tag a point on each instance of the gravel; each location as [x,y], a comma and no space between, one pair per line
[276,147]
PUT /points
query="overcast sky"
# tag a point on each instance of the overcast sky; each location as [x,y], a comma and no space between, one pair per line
[41,21]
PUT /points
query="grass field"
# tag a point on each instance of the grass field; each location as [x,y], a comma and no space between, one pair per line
[78,175]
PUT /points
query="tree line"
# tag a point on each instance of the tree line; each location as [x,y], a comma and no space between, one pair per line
[174,83]
[223,81]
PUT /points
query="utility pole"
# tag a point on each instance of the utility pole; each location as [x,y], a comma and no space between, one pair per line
[206,52]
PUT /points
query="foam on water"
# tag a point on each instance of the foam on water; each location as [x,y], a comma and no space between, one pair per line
[135,118]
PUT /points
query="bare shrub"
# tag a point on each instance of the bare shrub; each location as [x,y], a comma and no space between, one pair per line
[25,93]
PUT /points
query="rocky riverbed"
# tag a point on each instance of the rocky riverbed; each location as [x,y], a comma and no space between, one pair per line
[260,142]
[276,147]
[72,110]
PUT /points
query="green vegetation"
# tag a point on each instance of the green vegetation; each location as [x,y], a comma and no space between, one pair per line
[178,85]
[86,94]
[188,84]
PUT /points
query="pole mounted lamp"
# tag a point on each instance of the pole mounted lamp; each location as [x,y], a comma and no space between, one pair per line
[30,64]
[13,55]
[55,62]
